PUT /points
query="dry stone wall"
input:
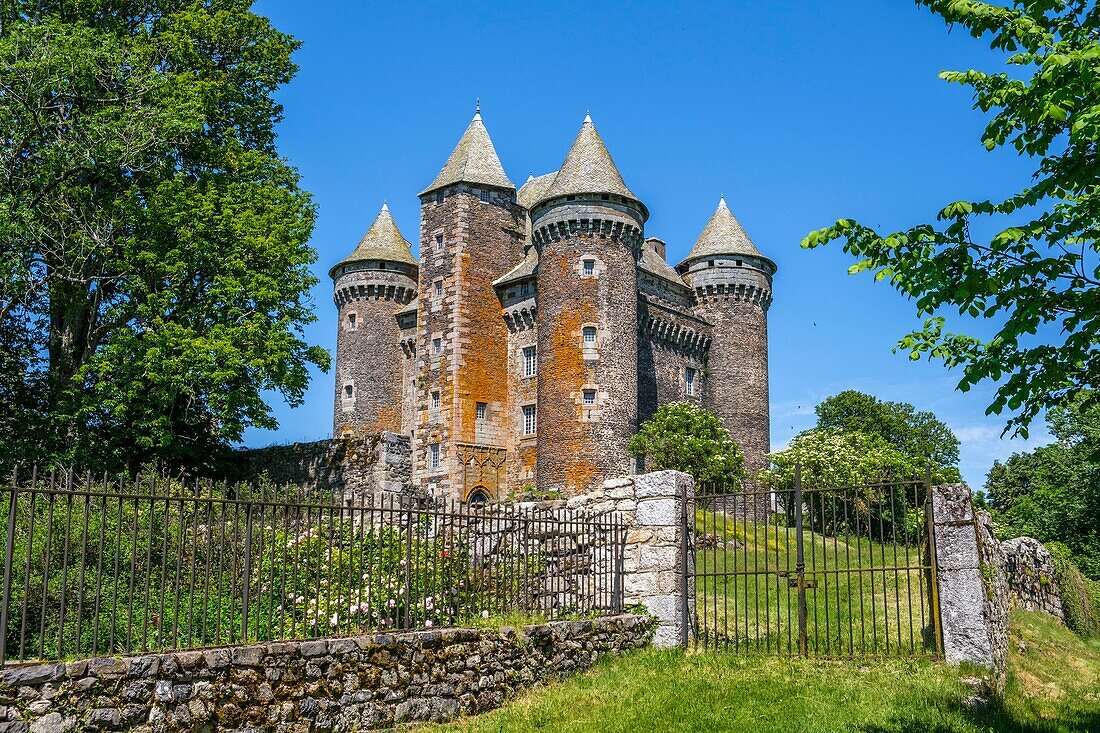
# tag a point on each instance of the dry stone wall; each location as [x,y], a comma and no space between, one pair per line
[1030,574]
[341,685]
[354,467]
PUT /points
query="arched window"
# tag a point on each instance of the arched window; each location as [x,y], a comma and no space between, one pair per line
[478,497]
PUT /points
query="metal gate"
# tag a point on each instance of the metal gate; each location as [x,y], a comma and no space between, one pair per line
[811,570]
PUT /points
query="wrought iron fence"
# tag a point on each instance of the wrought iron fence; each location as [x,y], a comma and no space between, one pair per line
[813,570]
[100,566]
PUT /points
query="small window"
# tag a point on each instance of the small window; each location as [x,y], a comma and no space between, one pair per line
[605,197]
[484,196]
[479,497]
[710,263]
[439,243]
[480,410]
[528,419]
[435,400]
[433,455]
[590,267]
[530,361]
[351,321]
[689,382]
[589,397]
[381,265]
[349,391]
[439,197]
[437,288]
[437,346]
[525,289]
[589,335]
[738,263]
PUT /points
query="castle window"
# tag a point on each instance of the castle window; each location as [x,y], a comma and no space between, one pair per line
[351,321]
[437,346]
[738,263]
[589,397]
[590,267]
[689,381]
[439,197]
[349,391]
[528,419]
[480,409]
[710,263]
[479,497]
[484,196]
[589,335]
[437,288]
[435,400]
[530,361]
[439,243]
[381,265]
[605,197]
[524,289]
[433,455]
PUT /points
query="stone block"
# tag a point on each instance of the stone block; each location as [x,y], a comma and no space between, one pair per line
[658,512]
[965,633]
[956,547]
[673,484]
[659,558]
[952,503]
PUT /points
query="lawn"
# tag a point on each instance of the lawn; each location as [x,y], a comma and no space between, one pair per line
[1054,686]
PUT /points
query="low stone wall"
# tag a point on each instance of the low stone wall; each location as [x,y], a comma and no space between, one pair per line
[351,467]
[344,684]
[1030,574]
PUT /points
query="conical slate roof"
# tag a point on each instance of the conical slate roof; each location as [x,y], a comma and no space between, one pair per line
[723,235]
[588,168]
[383,241]
[474,160]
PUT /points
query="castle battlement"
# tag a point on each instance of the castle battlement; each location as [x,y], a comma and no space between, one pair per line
[538,327]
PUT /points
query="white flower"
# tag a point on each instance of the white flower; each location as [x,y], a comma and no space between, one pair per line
[485,614]
[334,619]
[428,624]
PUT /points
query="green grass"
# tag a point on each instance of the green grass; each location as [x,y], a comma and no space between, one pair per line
[1053,688]
[861,603]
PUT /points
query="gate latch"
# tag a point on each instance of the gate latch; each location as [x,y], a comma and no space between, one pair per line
[801,582]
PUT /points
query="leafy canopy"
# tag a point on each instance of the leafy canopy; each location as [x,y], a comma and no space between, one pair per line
[154,266]
[833,457]
[919,435]
[683,437]
[1041,269]
[1053,492]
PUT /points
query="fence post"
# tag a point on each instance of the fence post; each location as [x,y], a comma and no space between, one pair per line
[800,560]
[247,568]
[9,559]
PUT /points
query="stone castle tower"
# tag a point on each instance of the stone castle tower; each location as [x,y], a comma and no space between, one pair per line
[541,326]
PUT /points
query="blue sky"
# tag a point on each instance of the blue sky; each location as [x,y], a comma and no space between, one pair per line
[799,113]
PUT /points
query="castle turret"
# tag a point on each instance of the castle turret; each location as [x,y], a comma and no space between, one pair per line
[588,229]
[732,283]
[371,285]
[471,233]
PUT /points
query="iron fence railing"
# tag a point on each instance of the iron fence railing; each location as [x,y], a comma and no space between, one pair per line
[813,570]
[98,566]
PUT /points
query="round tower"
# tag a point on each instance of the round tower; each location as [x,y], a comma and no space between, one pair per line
[588,229]
[373,283]
[732,283]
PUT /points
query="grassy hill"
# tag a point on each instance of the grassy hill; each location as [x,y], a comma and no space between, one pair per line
[1054,686]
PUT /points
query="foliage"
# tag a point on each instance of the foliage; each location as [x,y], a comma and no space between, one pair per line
[1040,271]
[154,266]
[683,437]
[920,435]
[1080,595]
[1053,492]
[832,457]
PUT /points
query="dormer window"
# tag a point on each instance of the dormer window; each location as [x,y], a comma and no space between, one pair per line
[525,289]
[484,196]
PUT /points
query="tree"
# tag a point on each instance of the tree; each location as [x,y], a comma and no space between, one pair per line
[155,266]
[831,457]
[920,435]
[1053,492]
[1040,270]
[683,437]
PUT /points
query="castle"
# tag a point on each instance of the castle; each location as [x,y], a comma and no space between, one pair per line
[541,326]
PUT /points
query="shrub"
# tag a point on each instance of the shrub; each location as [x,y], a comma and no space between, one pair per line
[1080,595]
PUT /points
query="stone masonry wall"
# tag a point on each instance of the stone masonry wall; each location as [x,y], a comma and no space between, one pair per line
[342,684]
[1029,571]
[354,467]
